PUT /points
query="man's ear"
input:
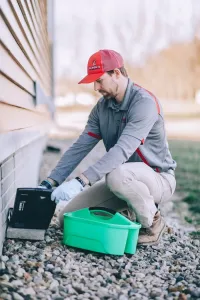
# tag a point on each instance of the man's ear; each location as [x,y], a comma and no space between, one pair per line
[117,72]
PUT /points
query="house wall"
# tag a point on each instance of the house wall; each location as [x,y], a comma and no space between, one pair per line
[26,95]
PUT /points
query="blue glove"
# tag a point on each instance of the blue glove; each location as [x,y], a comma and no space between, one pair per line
[67,190]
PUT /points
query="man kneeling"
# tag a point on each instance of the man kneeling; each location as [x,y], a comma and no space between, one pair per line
[137,171]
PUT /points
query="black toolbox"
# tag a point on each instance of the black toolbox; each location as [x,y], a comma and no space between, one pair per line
[33,209]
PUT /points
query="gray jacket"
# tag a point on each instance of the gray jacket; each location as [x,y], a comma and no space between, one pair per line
[132,131]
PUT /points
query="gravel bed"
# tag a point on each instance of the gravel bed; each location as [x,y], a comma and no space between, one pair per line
[50,270]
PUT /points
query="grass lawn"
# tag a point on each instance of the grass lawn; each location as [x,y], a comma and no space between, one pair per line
[187,156]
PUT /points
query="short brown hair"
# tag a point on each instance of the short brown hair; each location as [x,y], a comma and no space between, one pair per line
[122,70]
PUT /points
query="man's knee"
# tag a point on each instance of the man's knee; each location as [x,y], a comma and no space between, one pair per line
[118,178]
[113,178]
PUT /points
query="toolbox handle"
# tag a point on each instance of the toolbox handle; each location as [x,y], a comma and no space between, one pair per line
[109,211]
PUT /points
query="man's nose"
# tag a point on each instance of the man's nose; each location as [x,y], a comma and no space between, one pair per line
[96,86]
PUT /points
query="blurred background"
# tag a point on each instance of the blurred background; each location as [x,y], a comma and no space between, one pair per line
[45,46]
[160,43]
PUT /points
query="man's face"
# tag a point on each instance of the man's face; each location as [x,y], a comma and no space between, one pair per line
[107,85]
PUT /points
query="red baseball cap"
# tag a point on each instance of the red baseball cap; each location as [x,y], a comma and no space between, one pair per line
[101,62]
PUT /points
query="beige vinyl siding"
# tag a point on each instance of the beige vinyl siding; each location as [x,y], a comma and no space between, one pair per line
[13,48]
[25,60]
[22,118]
[12,94]
[14,72]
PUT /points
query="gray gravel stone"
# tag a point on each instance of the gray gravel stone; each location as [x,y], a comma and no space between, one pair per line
[5,296]
[20,272]
[4,258]
[196,243]
[4,277]
[16,296]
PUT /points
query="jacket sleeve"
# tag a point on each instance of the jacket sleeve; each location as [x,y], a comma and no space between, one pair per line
[84,144]
[141,118]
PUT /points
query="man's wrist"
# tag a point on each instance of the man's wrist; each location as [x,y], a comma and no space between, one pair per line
[52,182]
[84,178]
[46,184]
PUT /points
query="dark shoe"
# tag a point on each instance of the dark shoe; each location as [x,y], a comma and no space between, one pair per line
[152,235]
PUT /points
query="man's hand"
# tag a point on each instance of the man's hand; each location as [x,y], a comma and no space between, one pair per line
[67,190]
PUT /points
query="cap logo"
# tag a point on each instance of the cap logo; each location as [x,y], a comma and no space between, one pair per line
[94,66]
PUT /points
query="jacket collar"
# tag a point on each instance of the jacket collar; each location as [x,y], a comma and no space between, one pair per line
[125,103]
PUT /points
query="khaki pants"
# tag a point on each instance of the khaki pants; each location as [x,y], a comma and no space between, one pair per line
[134,187]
